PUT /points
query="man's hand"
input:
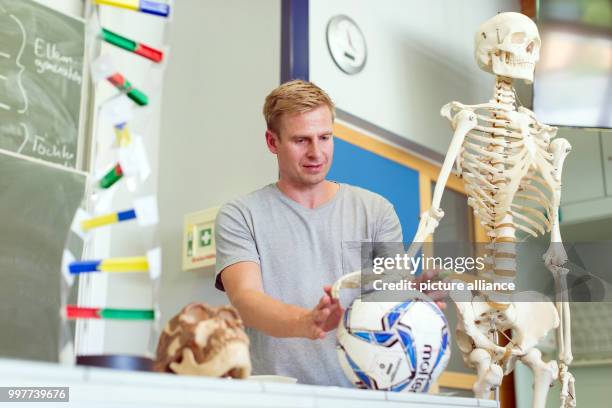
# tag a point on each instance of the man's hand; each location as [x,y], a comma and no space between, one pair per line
[244,287]
[437,296]
[324,317]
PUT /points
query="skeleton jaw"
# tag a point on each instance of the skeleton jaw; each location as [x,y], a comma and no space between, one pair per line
[509,65]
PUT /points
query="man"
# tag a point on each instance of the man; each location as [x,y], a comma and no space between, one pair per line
[280,247]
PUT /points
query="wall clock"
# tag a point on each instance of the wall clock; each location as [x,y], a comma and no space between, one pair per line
[346,44]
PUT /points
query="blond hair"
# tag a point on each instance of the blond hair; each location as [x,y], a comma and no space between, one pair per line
[295,96]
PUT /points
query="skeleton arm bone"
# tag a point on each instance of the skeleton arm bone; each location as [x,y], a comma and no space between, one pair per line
[462,122]
[555,256]
[351,280]
[560,149]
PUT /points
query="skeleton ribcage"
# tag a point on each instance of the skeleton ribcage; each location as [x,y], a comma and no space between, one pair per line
[508,171]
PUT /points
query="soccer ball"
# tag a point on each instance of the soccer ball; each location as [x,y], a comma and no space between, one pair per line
[393,346]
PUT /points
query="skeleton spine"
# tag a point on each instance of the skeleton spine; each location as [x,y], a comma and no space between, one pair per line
[502,229]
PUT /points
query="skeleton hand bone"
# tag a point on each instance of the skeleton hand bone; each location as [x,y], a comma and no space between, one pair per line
[568,399]
[555,256]
[429,222]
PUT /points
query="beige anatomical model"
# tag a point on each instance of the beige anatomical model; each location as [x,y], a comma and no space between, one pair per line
[511,166]
[512,171]
[203,340]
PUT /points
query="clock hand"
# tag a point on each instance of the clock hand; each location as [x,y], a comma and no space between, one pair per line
[350,44]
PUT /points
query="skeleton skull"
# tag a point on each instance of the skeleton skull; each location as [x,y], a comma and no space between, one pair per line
[203,340]
[508,45]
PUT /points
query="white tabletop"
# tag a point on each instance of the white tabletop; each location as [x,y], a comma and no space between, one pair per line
[100,387]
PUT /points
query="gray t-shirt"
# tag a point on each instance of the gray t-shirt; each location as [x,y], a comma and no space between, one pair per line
[300,250]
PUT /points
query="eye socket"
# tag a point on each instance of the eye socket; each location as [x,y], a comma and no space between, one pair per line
[228,314]
[518,38]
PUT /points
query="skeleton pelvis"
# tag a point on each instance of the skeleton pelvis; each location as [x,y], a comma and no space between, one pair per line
[526,319]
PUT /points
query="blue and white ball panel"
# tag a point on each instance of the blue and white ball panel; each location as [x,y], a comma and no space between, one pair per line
[367,315]
[374,367]
[393,346]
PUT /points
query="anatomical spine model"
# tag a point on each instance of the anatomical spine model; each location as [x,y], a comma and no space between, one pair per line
[512,173]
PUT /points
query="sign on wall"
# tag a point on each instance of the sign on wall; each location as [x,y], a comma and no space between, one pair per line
[199,247]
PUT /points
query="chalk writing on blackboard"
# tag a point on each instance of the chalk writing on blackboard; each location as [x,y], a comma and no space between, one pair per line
[49,59]
[41,79]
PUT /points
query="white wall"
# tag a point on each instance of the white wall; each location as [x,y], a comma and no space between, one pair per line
[224,60]
[420,56]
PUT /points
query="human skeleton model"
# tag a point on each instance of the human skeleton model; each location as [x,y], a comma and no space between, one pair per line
[512,174]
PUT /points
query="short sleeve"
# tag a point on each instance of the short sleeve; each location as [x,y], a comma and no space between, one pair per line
[234,240]
[388,235]
[389,228]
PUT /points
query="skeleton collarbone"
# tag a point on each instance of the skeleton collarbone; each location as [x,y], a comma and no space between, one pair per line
[507,166]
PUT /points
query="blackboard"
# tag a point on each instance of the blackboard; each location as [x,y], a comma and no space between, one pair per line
[36,209]
[41,81]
